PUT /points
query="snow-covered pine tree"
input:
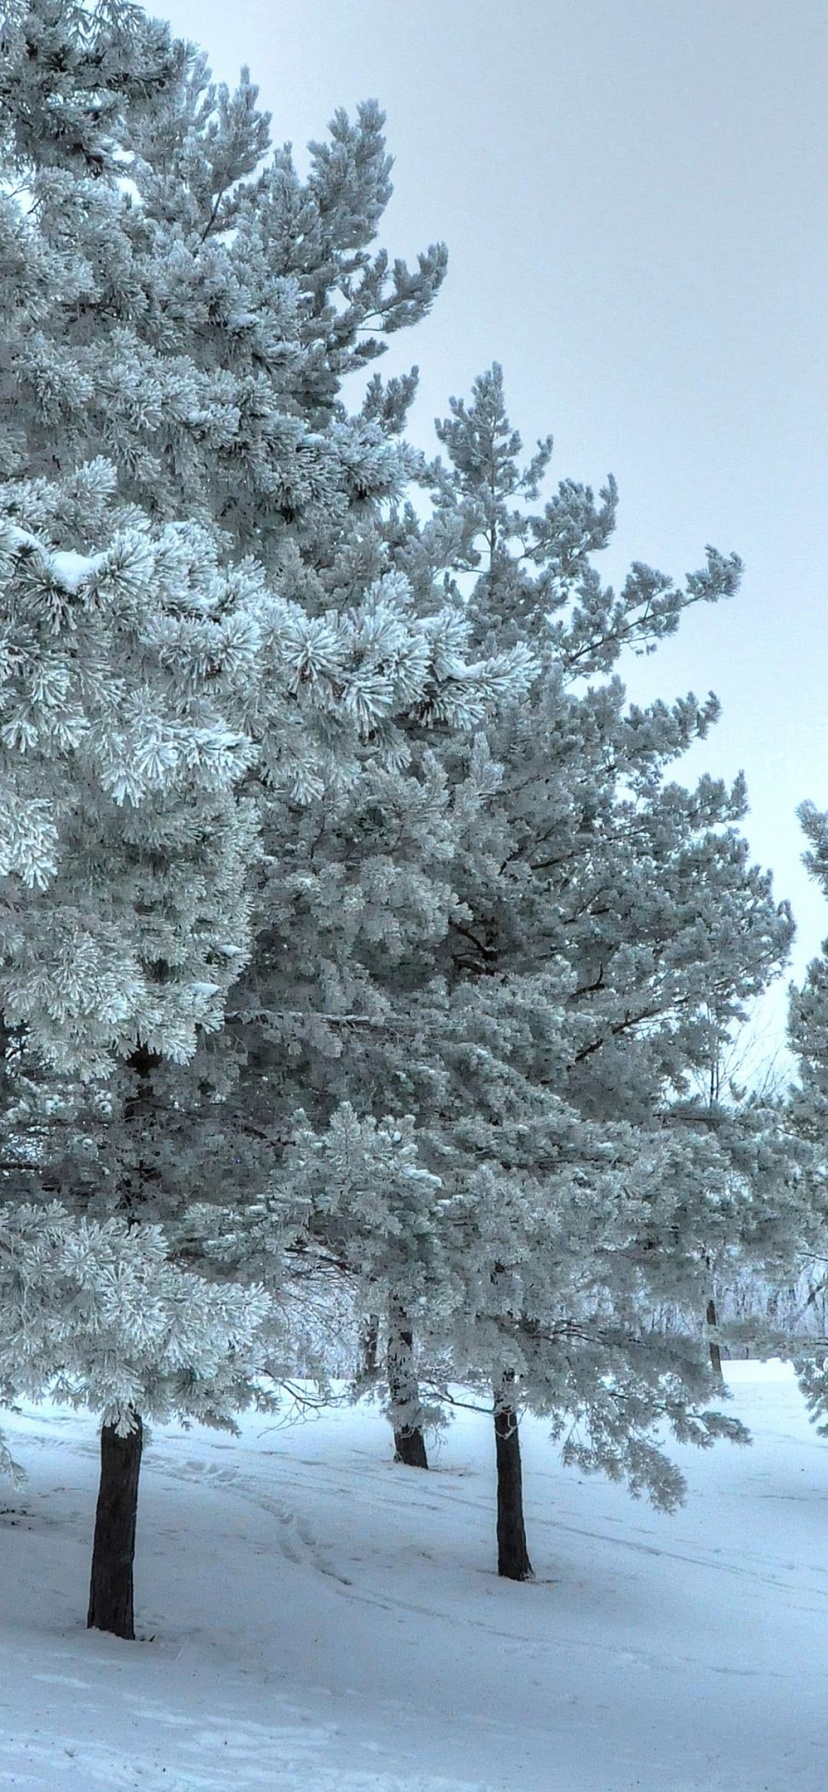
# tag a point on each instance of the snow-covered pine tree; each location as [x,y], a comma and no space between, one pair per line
[355,913]
[205,353]
[608,912]
[808,1113]
[175,322]
[93,1313]
[127,838]
[518,940]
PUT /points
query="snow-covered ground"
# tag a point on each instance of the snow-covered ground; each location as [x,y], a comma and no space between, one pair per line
[316,1620]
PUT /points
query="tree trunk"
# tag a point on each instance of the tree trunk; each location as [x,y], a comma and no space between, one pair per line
[512,1554]
[404,1395]
[113,1551]
[712,1343]
[368,1365]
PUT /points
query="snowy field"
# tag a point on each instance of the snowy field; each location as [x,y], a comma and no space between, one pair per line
[314,1619]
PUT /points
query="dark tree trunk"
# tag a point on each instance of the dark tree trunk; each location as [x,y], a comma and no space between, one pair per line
[512,1554]
[404,1395]
[368,1366]
[113,1551]
[712,1343]
[409,1447]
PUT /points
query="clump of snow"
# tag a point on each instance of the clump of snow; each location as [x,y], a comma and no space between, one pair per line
[72,570]
[67,568]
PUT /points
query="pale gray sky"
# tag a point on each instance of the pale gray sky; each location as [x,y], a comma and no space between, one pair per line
[635,198]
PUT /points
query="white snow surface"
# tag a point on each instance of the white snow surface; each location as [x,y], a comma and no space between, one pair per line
[314,1619]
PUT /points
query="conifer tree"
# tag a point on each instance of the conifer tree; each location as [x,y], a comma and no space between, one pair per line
[808,1115]
[176,317]
[608,912]
[484,965]
[518,940]
[94,1314]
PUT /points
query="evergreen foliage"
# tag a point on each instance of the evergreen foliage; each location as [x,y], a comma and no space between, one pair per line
[528,941]
[197,639]
[808,1033]
[354,926]
[94,1315]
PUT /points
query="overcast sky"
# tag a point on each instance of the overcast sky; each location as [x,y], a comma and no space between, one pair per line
[634,197]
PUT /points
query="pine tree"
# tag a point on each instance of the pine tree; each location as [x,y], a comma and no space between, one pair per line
[607,911]
[808,1116]
[324,807]
[95,1314]
[176,318]
[518,939]
[127,841]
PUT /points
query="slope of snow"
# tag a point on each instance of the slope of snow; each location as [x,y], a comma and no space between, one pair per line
[315,1619]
